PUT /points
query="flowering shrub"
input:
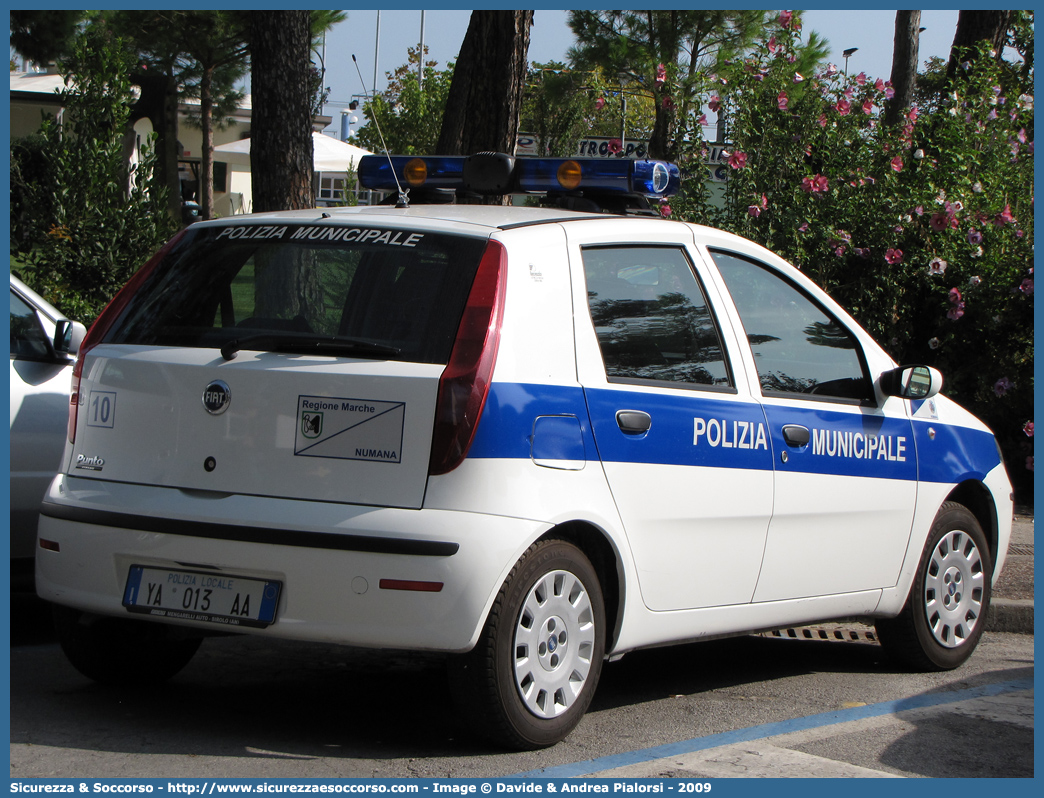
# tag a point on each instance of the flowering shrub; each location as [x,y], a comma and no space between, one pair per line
[922,229]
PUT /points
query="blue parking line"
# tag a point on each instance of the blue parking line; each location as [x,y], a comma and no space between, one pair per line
[590,766]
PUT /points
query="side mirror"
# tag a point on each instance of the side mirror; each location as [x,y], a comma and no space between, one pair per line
[68,335]
[912,382]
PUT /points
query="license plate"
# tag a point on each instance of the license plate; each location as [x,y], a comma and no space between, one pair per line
[201,596]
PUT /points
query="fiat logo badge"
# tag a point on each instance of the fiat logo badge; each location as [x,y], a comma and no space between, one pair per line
[217,397]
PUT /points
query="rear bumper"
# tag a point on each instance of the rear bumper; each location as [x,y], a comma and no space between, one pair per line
[330,558]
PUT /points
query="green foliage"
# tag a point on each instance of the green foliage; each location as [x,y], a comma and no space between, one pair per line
[669,59]
[44,35]
[561,106]
[409,116]
[82,221]
[923,230]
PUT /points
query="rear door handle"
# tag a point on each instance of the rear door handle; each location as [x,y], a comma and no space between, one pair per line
[796,435]
[633,422]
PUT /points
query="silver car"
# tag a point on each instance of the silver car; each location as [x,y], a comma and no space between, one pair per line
[40,379]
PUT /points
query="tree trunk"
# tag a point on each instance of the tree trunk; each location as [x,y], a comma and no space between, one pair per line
[974,27]
[159,103]
[281,128]
[904,63]
[206,164]
[485,96]
[286,283]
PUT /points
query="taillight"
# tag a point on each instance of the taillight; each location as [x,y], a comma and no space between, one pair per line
[105,320]
[464,384]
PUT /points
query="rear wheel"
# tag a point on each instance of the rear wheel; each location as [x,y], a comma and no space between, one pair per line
[944,615]
[121,651]
[531,677]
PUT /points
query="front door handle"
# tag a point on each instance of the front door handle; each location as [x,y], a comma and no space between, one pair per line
[796,435]
[633,422]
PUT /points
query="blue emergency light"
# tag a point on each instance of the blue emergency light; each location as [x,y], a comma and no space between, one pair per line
[497,173]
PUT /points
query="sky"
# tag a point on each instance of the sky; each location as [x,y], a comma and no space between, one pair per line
[871,31]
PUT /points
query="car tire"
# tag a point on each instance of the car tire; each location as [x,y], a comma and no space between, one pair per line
[120,651]
[942,621]
[531,677]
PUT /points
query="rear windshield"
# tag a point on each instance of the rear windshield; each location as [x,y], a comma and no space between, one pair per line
[351,291]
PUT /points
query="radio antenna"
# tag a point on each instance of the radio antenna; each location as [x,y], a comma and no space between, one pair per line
[404,194]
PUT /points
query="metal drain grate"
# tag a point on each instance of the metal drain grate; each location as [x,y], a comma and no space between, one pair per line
[839,634]
[1025,549]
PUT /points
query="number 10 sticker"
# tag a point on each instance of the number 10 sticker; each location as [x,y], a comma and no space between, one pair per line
[101,409]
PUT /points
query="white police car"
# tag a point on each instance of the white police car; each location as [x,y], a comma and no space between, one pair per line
[534,438]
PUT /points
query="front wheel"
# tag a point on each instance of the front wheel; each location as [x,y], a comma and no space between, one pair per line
[944,615]
[530,679]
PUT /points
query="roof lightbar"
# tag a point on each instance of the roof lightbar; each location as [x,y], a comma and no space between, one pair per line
[497,173]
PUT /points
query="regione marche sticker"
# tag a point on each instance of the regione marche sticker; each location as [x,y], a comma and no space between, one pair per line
[349,429]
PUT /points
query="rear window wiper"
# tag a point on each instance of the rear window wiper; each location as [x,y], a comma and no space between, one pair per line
[307,345]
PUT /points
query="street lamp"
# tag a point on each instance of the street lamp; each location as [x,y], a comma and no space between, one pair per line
[624,80]
[846,54]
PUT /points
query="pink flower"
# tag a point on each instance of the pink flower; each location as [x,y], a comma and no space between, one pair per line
[974,237]
[599,103]
[798,77]
[897,163]
[1028,429]
[860,79]
[975,282]
[934,343]
[1004,217]
[868,107]
[667,103]
[937,266]
[816,184]
[661,74]
[822,120]
[941,221]
[781,101]
[754,210]
[1027,286]
[615,146]
[893,256]
[1002,386]
[702,121]
[665,210]
[714,104]
[772,46]
[843,107]
[955,296]
[738,160]
[786,18]
[803,228]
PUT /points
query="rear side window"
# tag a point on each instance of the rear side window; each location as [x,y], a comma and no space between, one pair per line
[652,320]
[798,347]
[354,291]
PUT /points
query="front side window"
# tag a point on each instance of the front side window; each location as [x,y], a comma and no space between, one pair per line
[308,289]
[651,317]
[798,347]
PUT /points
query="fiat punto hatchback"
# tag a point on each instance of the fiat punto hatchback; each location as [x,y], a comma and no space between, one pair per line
[531,438]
